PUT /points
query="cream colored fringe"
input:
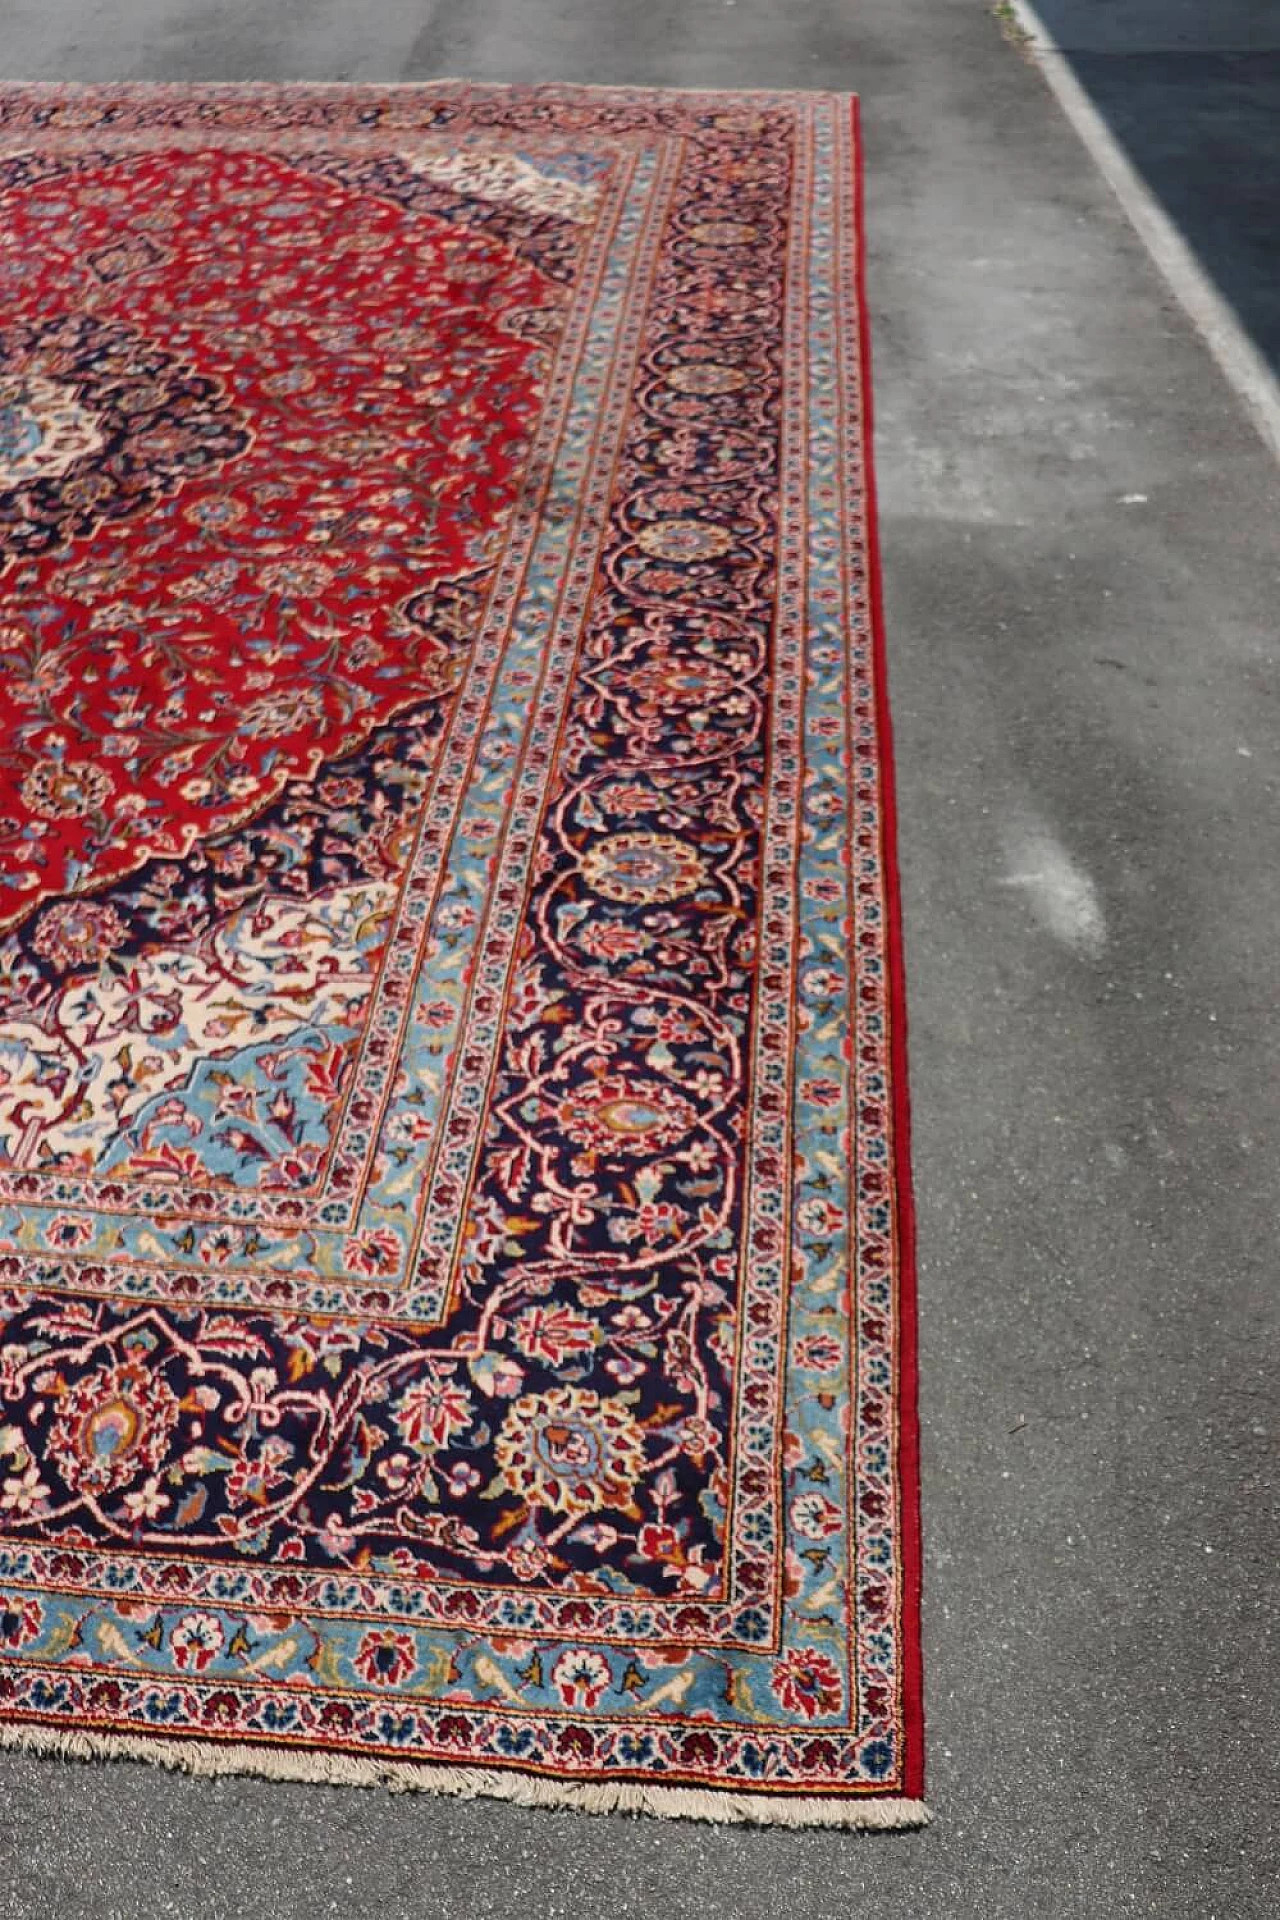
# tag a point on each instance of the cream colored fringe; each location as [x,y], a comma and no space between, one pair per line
[526,1790]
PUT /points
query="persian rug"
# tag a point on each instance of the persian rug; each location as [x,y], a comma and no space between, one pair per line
[456,1296]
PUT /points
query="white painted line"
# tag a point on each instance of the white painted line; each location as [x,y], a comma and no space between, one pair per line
[1232,348]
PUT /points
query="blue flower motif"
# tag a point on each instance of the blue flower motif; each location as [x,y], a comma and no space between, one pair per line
[753,1627]
[49,1695]
[165,1709]
[278,1716]
[396,1729]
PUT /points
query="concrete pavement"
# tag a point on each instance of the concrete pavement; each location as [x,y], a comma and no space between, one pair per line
[1081,554]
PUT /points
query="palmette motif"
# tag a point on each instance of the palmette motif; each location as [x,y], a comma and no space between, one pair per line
[451,1276]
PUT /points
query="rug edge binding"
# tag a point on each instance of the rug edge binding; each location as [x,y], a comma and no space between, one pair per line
[881,1813]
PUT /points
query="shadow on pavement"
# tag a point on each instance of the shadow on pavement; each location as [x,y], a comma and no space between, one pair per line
[1191,91]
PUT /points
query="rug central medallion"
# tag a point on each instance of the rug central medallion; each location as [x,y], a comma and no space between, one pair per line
[452,1260]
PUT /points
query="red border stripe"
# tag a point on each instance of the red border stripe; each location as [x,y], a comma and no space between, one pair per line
[908,1364]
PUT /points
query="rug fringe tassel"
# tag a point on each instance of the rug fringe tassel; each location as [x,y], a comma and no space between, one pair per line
[881,1813]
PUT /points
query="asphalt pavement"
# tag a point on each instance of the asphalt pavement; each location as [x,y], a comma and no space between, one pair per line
[1081,552]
